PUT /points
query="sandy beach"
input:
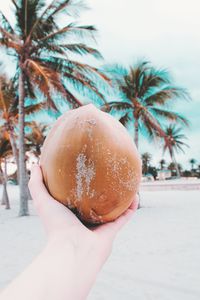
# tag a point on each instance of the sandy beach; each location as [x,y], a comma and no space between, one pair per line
[155,257]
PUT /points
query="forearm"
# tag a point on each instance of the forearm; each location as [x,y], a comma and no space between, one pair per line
[56,274]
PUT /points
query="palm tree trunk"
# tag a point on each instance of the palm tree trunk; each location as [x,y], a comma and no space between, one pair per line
[16,156]
[7,202]
[136,133]
[176,165]
[5,199]
[14,151]
[2,181]
[136,138]
[23,211]
[3,202]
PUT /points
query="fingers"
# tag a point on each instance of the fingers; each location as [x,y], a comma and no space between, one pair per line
[53,214]
[111,229]
[37,189]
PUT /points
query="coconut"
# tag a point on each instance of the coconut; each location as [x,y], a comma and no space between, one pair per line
[91,165]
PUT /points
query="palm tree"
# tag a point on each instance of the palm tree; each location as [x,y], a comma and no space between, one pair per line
[146,158]
[9,113]
[199,170]
[172,167]
[180,168]
[36,138]
[146,92]
[42,49]
[162,164]
[174,143]
[5,152]
[192,162]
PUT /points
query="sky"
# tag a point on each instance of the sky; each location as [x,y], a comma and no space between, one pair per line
[163,32]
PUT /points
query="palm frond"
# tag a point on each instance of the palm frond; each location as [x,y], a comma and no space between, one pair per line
[15,4]
[148,128]
[85,68]
[152,79]
[69,7]
[125,120]
[137,73]
[119,106]
[7,94]
[71,29]
[5,146]
[115,70]
[9,44]
[26,13]
[34,108]
[174,139]
[47,80]
[64,65]
[75,102]
[51,48]
[64,49]
[81,49]
[164,94]
[8,35]
[43,78]
[35,139]
[80,80]
[5,23]
[170,115]
[155,125]
[29,88]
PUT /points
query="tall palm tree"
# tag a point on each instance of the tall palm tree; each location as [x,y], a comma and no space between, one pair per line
[162,164]
[42,51]
[9,113]
[199,170]
[146,158]
[174,143]
[36,138]
[192,162]
[146,93]
[5,152]
[7,107]
[172,167]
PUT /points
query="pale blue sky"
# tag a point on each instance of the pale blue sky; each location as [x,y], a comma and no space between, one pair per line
[164,32]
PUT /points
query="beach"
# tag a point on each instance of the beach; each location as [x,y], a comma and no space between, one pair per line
[155,256]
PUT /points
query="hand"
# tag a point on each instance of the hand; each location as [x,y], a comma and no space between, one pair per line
[82,251]
[60,222]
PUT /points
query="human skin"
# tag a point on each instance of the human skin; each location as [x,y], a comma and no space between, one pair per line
[68,265]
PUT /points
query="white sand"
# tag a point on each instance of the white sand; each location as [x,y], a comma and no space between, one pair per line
[155,257]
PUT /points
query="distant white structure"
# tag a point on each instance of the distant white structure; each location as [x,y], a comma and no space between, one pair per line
[147,177]
[164,174]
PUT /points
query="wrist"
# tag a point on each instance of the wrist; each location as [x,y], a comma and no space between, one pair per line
[80,260]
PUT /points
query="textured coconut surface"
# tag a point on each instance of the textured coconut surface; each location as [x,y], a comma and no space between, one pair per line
[91,164]
[155,256]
